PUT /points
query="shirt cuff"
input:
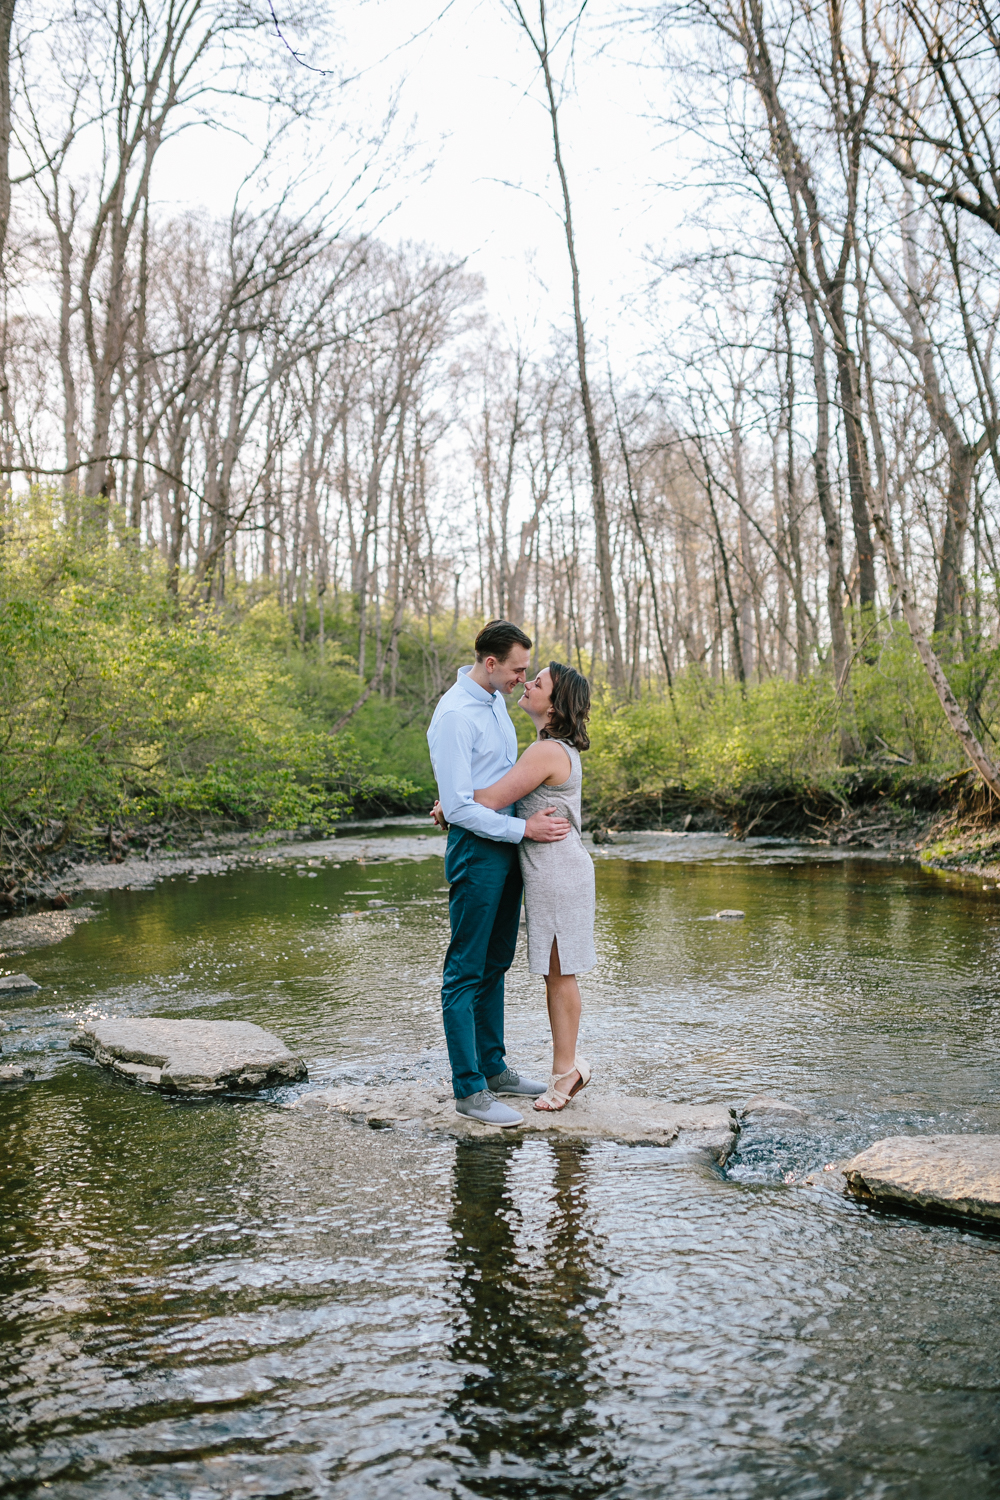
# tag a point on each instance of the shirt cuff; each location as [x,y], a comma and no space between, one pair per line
[515,830]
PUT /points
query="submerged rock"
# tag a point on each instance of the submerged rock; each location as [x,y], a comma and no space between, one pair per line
[707,1128]
[730,914]
[11,1073]
[955,1174]
[831,1177]
[17,984]
[191,1057]
[761,1108]
[41,928]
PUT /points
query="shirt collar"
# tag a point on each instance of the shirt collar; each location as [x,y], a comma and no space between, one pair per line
[473,689]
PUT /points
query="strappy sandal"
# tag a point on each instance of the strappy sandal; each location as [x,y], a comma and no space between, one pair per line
[554,1098]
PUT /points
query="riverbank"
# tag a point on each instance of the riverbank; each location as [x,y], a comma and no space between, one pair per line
[946,824]
[949,823]
[211,852]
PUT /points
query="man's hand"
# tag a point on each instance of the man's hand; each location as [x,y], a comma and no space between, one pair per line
[437,816]
[546,827]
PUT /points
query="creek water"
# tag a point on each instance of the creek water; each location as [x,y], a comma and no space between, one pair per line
[233,1298]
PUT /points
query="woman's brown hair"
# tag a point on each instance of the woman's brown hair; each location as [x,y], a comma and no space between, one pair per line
[570,707]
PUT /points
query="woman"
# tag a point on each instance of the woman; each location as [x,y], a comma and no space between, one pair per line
[558,878]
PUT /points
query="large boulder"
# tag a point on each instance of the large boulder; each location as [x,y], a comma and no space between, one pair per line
[953,1174]
[709,1129]
[191,1057]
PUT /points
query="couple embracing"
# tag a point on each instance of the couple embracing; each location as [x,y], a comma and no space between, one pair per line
[514,827]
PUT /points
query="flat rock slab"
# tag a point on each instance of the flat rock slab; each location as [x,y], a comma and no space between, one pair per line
[955,1174]
[17,984]
[191,1057]
[708,1128]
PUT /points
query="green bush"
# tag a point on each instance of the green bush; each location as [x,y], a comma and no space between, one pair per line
[711,741]
[715,746]
[119,701]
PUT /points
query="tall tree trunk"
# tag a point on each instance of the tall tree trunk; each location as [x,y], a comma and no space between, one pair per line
[633,505]
[833,537]
[6,24]
[734,613]
[71,414]
[792,530]
[141,412]
[747,590]
[962,456]
[605,569]
[858,468]
[822,285]
[962,460]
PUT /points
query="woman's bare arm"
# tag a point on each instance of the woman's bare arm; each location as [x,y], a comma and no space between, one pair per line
[543,761]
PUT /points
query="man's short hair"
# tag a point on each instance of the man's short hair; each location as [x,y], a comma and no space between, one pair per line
[497,638]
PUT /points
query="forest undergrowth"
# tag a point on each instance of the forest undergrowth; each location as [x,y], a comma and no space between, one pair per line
[128,708]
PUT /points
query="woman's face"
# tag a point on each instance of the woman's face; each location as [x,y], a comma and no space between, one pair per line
[537,696]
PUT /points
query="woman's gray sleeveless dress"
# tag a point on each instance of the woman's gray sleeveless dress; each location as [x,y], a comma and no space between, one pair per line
[559,880]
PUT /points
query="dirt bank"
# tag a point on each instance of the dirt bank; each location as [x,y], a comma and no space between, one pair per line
[950,824]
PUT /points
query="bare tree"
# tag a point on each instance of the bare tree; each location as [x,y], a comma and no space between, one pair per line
[539,39]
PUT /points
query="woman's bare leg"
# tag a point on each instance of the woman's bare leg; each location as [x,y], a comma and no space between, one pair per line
[562,996]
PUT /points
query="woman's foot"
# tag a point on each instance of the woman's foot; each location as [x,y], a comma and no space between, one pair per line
[563,1086]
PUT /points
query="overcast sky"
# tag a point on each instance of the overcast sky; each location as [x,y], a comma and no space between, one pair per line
[470,106]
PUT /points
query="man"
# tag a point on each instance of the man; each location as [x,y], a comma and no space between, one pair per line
[472,744]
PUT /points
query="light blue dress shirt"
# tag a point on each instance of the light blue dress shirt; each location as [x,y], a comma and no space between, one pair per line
[473,744]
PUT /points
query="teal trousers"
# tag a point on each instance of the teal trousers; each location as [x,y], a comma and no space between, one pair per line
[485,908]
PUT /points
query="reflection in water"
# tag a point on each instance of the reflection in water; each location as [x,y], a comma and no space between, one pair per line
[527,1407]
[215,1300]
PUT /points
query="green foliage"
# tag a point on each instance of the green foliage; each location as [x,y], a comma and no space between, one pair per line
[896,709]
[710,742]
[119,701]
[714,743]
[391,730]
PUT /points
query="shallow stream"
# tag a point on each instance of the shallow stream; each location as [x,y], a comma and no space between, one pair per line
[233,1298]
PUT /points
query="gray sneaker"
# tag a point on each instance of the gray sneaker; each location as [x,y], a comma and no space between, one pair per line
[509,1082]
[487,1110]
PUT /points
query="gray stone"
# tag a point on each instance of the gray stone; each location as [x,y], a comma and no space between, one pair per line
[761,1108]
[11,1073]
[955,1174]
[41,928]
[710,1129]
[831,1177]
[730,915]
[191,1057]
[17,984]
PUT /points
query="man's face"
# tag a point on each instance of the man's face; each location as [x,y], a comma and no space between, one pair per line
[504,676]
